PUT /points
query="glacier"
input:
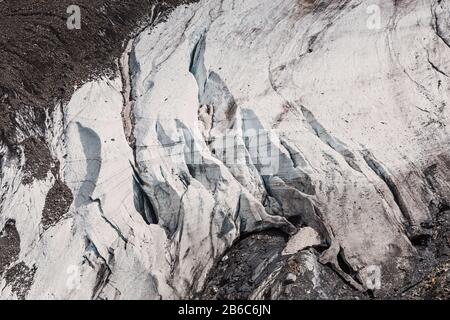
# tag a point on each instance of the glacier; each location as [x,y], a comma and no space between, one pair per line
[228,119]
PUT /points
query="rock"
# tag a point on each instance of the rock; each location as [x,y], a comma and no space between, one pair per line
[257,270]
[290,278]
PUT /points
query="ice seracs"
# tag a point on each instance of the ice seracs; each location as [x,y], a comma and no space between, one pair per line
[234,117]
[304,238]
